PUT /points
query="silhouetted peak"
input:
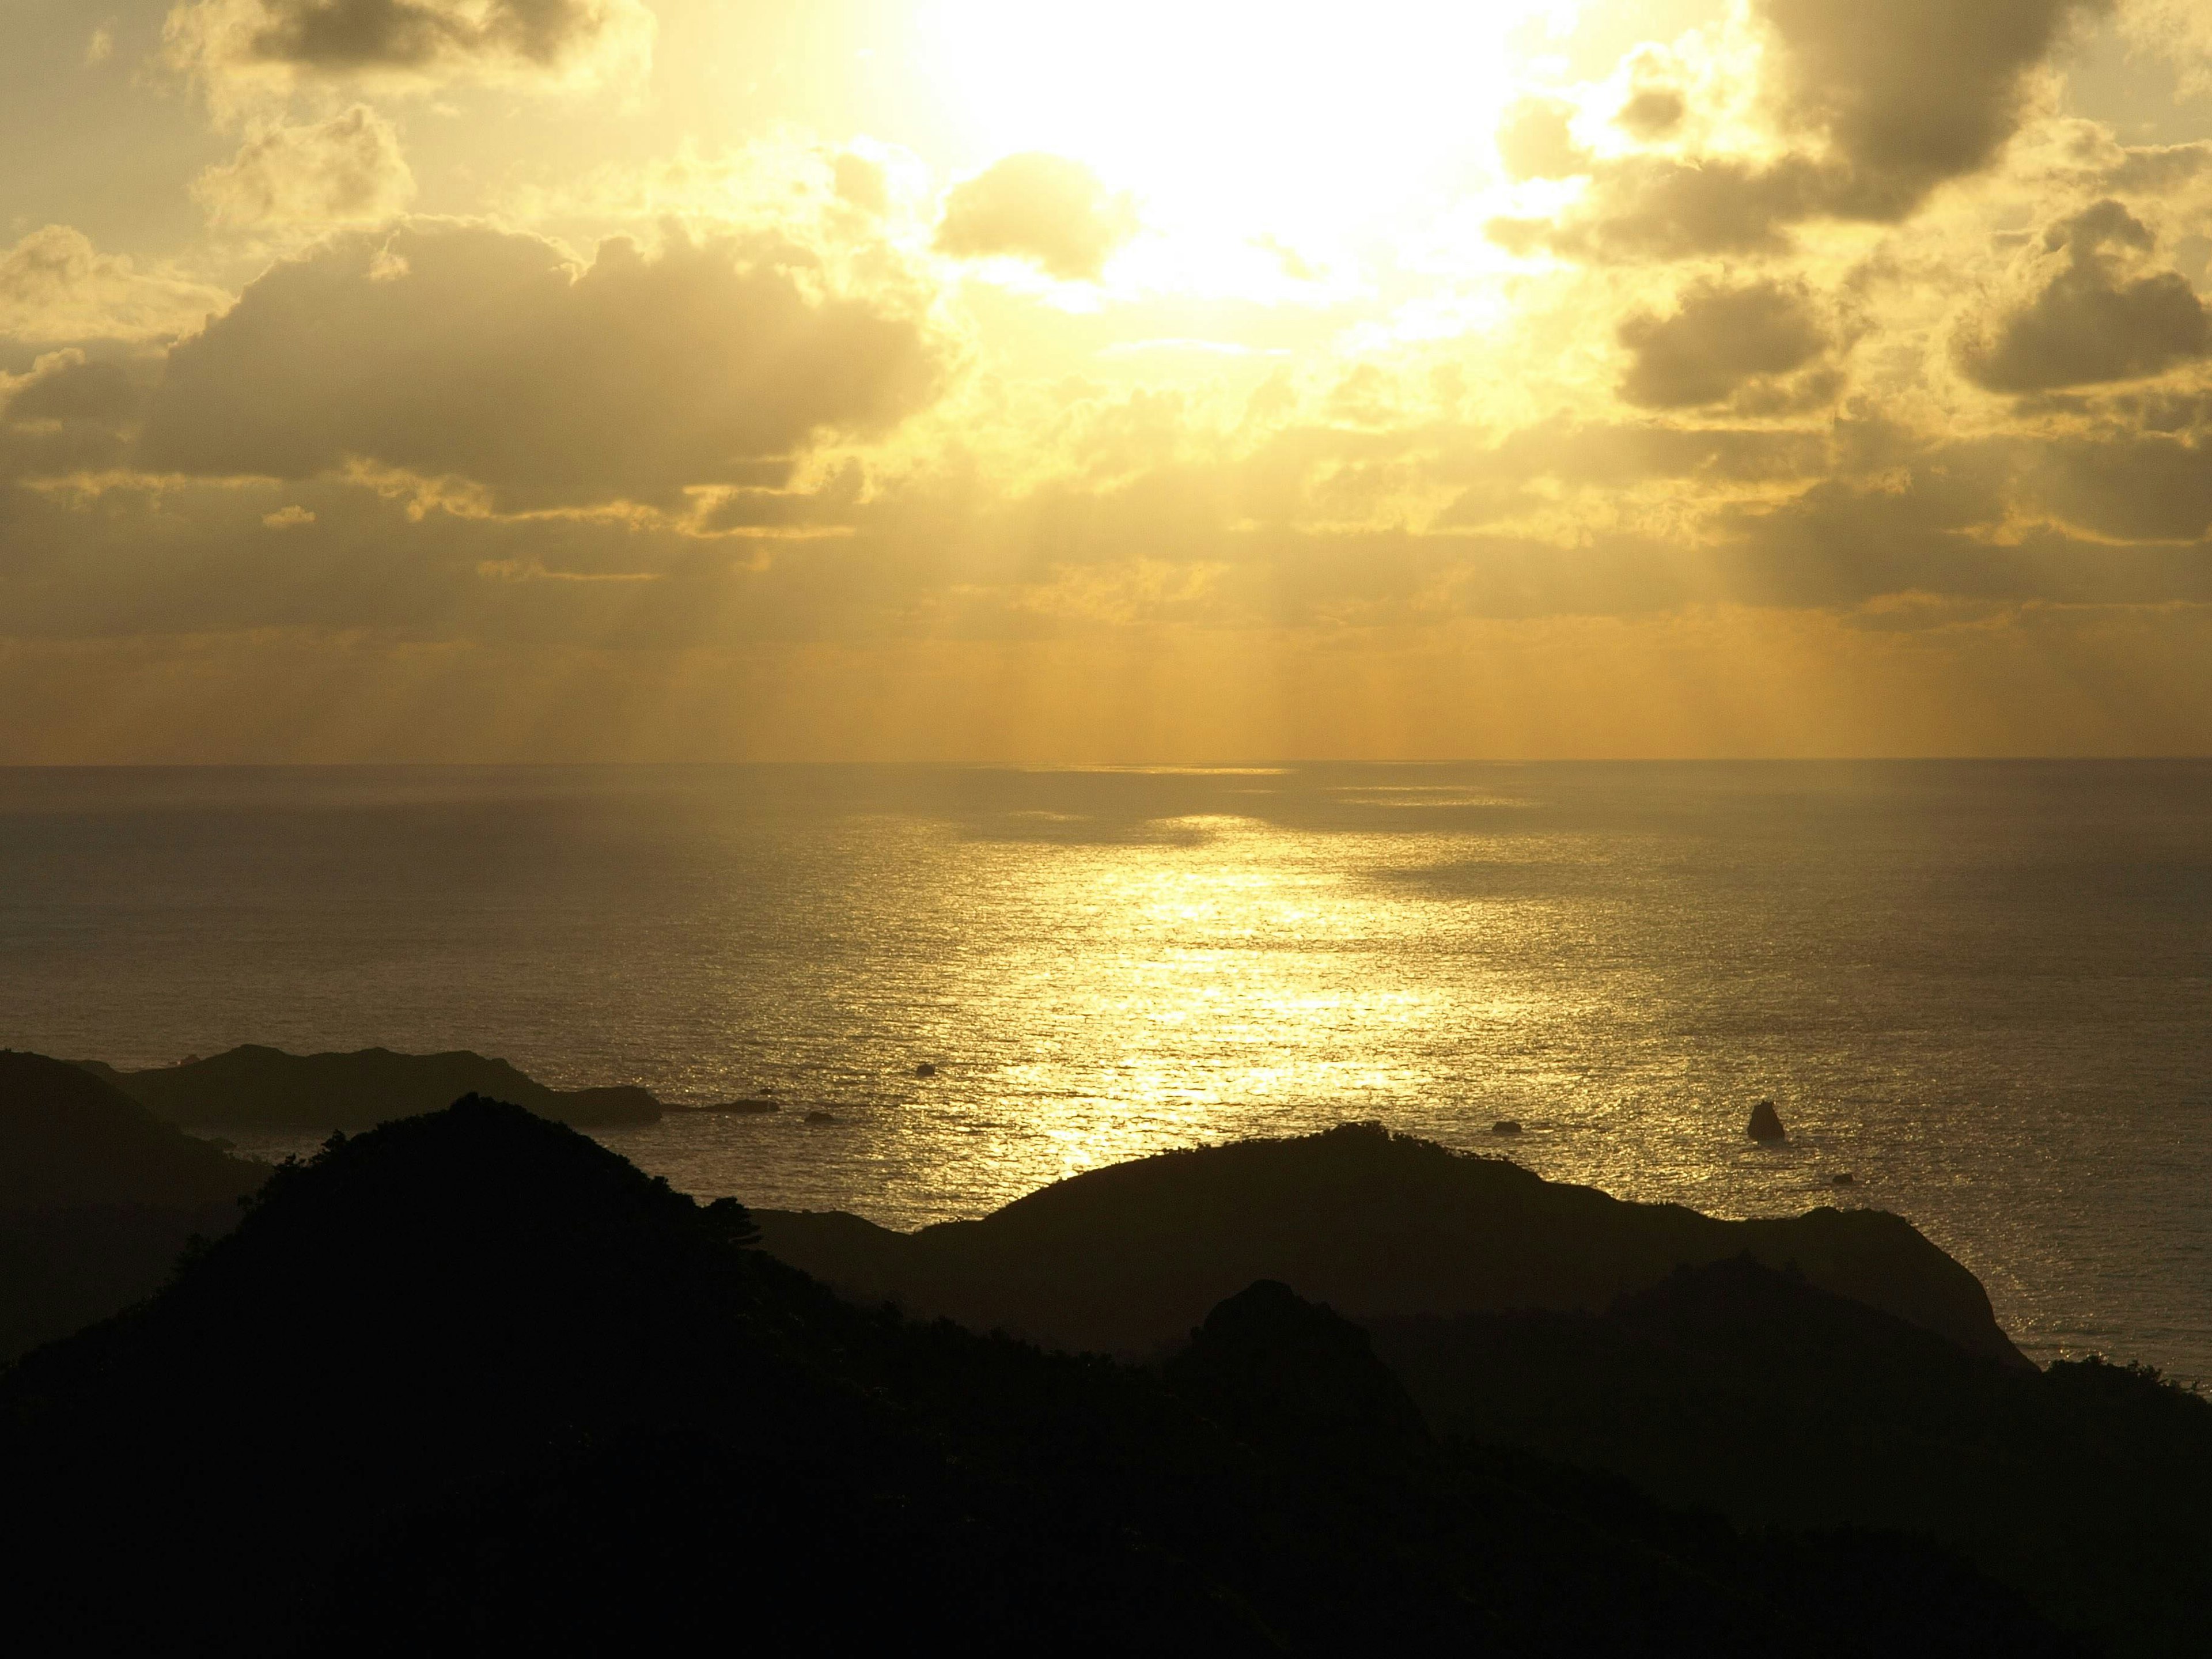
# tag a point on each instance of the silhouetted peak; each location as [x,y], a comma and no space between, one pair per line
[1766,1123]
[1269,1355]
[484,1162]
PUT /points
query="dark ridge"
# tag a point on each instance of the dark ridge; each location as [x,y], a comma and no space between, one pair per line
[97,1198]
[254,1087]
[1747,1392]
[1374,1224]
[471,1381]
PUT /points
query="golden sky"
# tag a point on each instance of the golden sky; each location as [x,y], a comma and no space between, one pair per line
[548,379]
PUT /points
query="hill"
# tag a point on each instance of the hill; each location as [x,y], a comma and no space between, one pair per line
[471,1380]
[1126,1260]
[258,1088]
[1738,1390]
[97,1197]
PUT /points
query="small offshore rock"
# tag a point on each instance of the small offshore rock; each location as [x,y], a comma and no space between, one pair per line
[821,1117]
[1843,1178]
[1506,1125]
[1765,1122]
[925,1070]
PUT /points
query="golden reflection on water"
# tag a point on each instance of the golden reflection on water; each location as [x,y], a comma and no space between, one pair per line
[1213,978]
[1980,990]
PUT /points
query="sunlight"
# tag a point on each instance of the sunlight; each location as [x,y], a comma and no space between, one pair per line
[1297,119]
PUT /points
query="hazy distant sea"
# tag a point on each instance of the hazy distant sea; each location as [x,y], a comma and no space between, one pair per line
[1985,989]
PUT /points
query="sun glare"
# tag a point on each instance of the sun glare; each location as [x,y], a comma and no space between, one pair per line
[1301,119]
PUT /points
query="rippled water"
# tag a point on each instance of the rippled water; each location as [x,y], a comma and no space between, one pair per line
[1983,989]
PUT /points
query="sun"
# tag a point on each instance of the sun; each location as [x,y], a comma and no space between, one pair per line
[1289,120]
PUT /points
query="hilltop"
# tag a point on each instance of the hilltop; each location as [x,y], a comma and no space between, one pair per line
[1375,1224]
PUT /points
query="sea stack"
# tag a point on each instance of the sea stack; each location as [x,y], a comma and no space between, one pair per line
[1766,1123]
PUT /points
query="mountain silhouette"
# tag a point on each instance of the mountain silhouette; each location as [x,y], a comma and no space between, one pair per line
[1373,1223]
[471,1379]
[1737,1390]
[97,1198]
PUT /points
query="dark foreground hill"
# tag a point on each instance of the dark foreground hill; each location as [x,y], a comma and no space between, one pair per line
[256,1088]
[1126,1259]
[471,1380]
[1738,1390]
[97,1196]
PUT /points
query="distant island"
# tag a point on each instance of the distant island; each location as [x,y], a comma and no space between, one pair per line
[472,1373]
[252,1087]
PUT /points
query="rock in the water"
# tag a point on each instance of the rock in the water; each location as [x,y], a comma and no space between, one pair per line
[822,1117]
[1844,1178]
[1506,1125]
[925,1070]
[1766,1123]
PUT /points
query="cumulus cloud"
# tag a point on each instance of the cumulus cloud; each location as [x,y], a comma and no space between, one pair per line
[457,351]
[55,286]
[1047,210]
[1878,102]
[427,42]
[1718,338]
[347,169]
[2092,321]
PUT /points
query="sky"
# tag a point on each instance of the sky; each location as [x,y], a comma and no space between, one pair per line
[545,380]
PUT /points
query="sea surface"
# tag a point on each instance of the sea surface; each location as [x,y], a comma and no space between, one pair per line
[1984,990]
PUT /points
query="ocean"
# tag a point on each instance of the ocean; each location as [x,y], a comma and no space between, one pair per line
[1982,989]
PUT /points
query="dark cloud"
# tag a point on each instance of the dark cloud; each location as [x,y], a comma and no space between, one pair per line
[2146,488]
[232,44]
[1657,208]
[414,33]
[1045,208]
[69,414]
[1883,100]
[1652,112]
[463,351]
[2092,321]
[1909,94]
[1717,339]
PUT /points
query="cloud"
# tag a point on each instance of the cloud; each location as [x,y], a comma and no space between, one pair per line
[1652,112]
[347,169]
[68,414]
[1535,140]
[55,287]
[1878,102]
[2091,322]
[1718,338]
[2179,29]
[1908,94]
[450,350]
[238,44]
[2149,487]
[1045,208]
